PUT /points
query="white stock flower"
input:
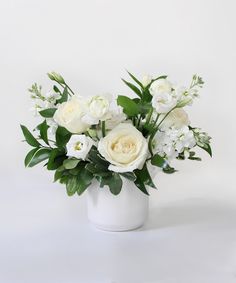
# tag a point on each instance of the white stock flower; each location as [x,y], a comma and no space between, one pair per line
[97,109]
[146,80]
[69,115]
[125,148]
[79,146]
[177,118]
[171,142]
[160,86]
[163,102]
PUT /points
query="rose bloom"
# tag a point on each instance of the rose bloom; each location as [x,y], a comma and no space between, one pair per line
[69,114]
[125,148]
[177,118]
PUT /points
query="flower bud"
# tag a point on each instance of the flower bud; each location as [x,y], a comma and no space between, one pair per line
[56,77]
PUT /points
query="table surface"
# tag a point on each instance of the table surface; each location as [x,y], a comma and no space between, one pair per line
[190,235]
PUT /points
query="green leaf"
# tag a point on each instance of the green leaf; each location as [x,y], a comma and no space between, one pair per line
[29,156]
[70,163]
[30,139]
[135,79]
[56,158]
[96,170]
[207,148]
[57,176]
[145,177]
[56,89]
[43,129]
[96,158]
[158,78]
[62,136]
[158,161]
[130,108]
[139,182]
[168,170]
[64,96]
[114,182]
[71,185]
[129,175]
[84,180]
[133,87]
[39,156]
[48,113]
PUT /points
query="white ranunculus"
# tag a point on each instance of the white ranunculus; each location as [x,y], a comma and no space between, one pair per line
[146,80]
[160,86]
[79,146]
[97,109]
[125,148]
[163,102]
[177,118]
[69,115]
[117,116]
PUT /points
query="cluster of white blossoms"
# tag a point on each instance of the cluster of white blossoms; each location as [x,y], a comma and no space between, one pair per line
[171,142]
[99,121]
[166,96]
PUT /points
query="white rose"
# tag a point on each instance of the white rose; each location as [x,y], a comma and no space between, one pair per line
[125,148]
[163,102]
[146,80]
[79,146]
[97,109]
[177,118]
[160,86]
[69,115]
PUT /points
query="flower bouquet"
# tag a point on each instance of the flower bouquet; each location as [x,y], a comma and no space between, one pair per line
[110,145]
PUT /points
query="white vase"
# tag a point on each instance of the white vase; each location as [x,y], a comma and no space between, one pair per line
[126,211]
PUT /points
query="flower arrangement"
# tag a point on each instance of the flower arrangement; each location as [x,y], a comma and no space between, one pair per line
[107,138]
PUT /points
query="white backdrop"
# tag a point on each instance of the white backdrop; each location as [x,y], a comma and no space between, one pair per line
[191,234]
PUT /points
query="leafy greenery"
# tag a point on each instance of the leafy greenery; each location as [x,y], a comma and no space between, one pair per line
[78,174]
[48,113]
[129,106]
[62,136]
[30,139]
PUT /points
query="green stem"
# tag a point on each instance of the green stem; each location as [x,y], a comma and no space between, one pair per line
[155,131]
[69,89]
[149,115]
[103,126]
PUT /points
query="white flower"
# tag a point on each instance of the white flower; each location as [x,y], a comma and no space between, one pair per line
[163,102]
[160,86]
[79,146]
[146,80]
[117,116]
[97,109]
[125,148]
[69,115]
[177,118]
[52,96]
[171,142]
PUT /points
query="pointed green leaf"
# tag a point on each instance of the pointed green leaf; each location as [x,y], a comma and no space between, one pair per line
[70,163]
[48,113]
[158,161]
[56,158]
[62,136]
[135,79]
[39,156]
[43,129]
[133,87]
[130,108]
[207,148]
[64,96]
[29,156]
[30,139]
